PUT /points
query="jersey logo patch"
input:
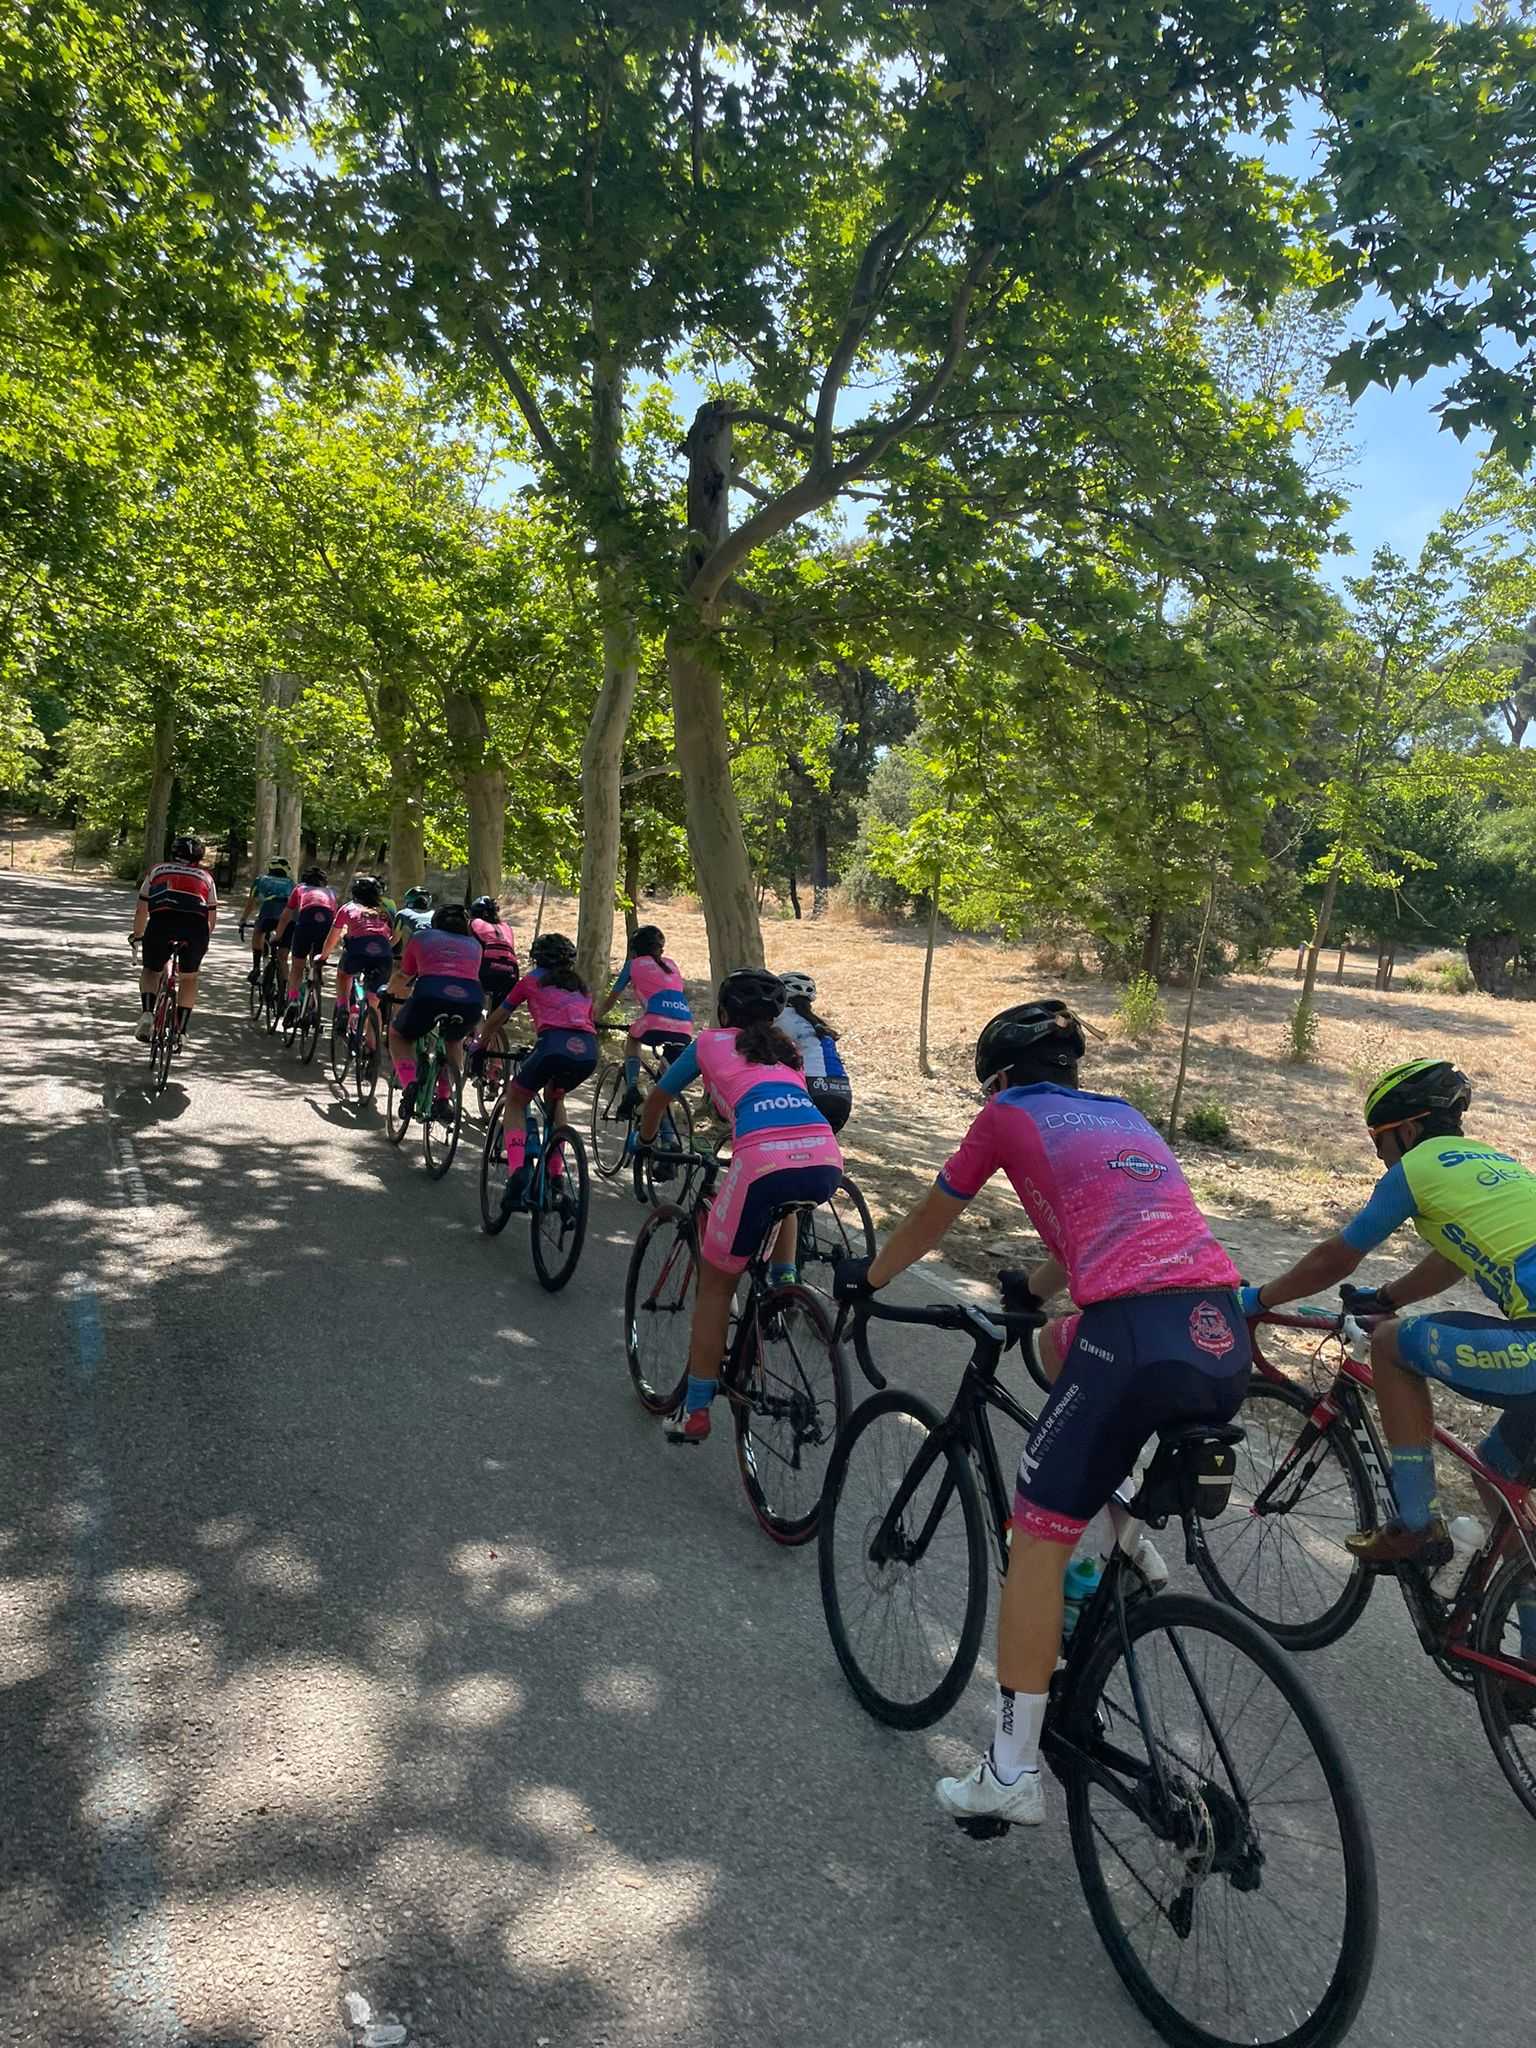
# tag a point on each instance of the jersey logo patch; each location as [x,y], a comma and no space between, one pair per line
[1137,1165]
[1210,1330]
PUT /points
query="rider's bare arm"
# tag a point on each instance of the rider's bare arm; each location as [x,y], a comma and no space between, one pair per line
[915,1235]
[1432,1275]
[1048,1278]
[1319,1269]
[140,915]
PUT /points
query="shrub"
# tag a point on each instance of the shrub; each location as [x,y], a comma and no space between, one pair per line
[92,841]
[1146,1096]
[1301,1033]
[1139,1014]
[127,864]
[1209,1124]
[1455,977]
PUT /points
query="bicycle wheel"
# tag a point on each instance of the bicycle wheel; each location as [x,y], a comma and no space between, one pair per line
[272,997]
[560,1219]
[902,1557]
[788,1408]
[1221,1840]
[340,1050]
[493,1178]
[491,1076]
[366,1054]
[309,1024]
[610,1127]
[841,1227]
[439,1133]
[397,1106]
[1277,1554]
[1508,1708]
[658,1308]
[253,998]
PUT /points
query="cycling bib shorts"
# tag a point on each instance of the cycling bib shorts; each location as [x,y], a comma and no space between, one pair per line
[456,1002]
[182,932]
[763,1178]
[559,1059]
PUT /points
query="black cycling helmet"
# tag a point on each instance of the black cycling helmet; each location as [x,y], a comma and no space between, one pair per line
[1416,1089]
[486,907]
[188,847]
[752,995]
[552,950]
[648,939]
[313,878]
[365,889]
[417,899]
[1045,1035]
[451,917]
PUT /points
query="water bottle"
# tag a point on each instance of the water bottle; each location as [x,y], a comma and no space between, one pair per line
[1468,1535]
[1082,1582]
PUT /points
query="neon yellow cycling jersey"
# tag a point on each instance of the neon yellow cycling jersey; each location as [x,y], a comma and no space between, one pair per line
[1472,1203]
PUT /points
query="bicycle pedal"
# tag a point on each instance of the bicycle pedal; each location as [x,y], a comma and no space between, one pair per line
[983,1827]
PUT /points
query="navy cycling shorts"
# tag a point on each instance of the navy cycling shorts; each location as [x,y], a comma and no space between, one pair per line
[369,960]
[309,932]
[559,1059]
[497,986]
[1136,1365]
[434,996]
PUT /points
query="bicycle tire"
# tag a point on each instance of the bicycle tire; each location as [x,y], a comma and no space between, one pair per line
[309,1024]
[367,1055]
[1509,1721]
[272,998]
[847,1235]
[658,1308]
[493,1178]
[490,1076]
[397,1107]
[850,1516]
[1232,1555]
[556,1252]
[609,1131]
[339,1051]
[1103,1728]
[253,997]
[784,1469]
[439,1142]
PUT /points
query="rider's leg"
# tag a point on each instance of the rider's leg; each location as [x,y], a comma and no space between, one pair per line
[554,1103]
[186,998]
[514,1125]
[343,993]
[706,1343]
[1408,1418]
[403,1053]
[258,946]
[781,1258]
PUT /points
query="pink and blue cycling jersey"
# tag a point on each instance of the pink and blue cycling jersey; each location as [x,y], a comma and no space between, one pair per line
[362,921]
[434,955]
[306,897]
[1099,1185]
[658,988]
[551,1008]
[765,1104]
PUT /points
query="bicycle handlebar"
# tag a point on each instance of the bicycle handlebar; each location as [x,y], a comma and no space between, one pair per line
[989,1325]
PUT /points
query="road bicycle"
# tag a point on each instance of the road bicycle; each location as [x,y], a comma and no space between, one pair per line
[304,1024]
[559,1195]
[442,1119]
[492,1062]
[616,1108]
[265,995]
[357,1037]
[839,1228]
[783,1373]
[1314,1468]
[165,1040]
[1219,1835]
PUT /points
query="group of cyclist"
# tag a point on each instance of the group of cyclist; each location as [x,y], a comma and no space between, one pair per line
[1158,1330]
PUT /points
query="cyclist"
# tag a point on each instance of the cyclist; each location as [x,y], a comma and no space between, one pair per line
[267,895]
[1156,1338]
[176,911]
[564,1051]
[307,918]
[782,1151]
[499,972]
[361,929]
[665,1020]
[826,1078]
[414,915]
[1474,1206]
[438,976]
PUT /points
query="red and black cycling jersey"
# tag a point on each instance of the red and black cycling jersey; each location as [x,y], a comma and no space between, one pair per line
[178,885]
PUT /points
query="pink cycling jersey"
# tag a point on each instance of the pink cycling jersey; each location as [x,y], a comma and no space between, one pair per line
[498,944]
[434,955]
[552,1009]
[362,921]
[766,1104]
[1099,1185]
[306,896]
[658,987]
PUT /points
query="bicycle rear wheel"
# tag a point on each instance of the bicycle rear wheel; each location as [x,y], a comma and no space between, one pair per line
[560,1218]
[1283,1563]
[788,1408]
[841,1227]
[439,1135]
[902,1557]
[1218,1831]
[610,1127]
[1508,1708]
[491,1076]
[339,1051]
[658,1308]
[367,1057]
[253,997]
[272,996]
[309,1023]
[493,1178]
[397,1106]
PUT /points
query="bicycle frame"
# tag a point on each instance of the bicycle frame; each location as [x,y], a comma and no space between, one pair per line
[1343,1401]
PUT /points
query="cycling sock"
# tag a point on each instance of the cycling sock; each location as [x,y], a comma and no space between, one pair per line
[183,1018]
[146,1001]
[781,1276]
[444,1088]
[1413,1484]
[700,1394]
[632,1069]
[1018,1718]
[405,1073]
[517,1145]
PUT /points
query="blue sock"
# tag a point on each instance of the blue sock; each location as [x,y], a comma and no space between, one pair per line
[781,1276]
[632,1070]
[1413,1485]
[700,1394]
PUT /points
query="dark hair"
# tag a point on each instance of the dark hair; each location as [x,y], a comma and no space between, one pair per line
[1440,1123]
[765,1045]
[564,977]
[648,939]
[451,917]
[801,1005]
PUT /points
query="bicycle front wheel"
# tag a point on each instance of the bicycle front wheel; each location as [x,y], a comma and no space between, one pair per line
[367,1059]
[789,1405]
[440,1132]
[1278,1553]
[494,1218]
[1218,1830]
[902,1554]
[309,1026]
[253,998]
[339,1052]
[397,1106]
[658,1308]
[610,1126]
[841,1227]
[560,1216]
[1506,1627]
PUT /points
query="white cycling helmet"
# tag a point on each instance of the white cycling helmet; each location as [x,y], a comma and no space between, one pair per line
[799,985]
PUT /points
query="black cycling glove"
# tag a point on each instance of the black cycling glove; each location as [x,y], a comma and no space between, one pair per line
[1019,1298]
[1367,1301]
[850,1280]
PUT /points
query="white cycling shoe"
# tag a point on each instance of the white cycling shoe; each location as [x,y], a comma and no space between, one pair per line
[144,1030]
[984,1797]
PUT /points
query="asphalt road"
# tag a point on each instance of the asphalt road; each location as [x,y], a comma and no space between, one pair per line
[358,1633]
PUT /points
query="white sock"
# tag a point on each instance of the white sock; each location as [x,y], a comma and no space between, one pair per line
[1018,1719]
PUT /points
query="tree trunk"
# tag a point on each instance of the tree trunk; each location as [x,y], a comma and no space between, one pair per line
[631,886]
[264,823]
[719,847]
[407,847]
[922,1009]
[1189,1008]
[821,874]
[483,778]
[1338,972]
[1320,930]
[1385,961]
[538,921]
[157,811]
[794,893]
[1152,944]
[289,829]
[1488,956]
[602,759]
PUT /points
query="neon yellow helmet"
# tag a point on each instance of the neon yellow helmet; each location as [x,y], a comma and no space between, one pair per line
[1416,1088]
